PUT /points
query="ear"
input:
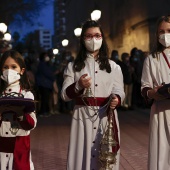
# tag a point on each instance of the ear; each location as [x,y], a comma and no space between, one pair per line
[22,71]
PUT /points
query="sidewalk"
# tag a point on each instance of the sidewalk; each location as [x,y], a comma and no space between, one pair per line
[49,141]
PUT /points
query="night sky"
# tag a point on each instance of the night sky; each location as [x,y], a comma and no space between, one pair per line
[45,20]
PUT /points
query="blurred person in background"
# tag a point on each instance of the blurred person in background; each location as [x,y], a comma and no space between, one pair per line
[127,71]
[137,64]
[45,81]
[64,106]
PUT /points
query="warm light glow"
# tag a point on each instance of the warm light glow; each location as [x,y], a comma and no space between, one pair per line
[55,51]
[7,37]
[64,43]
[3,28]
[77,32]
[95,15]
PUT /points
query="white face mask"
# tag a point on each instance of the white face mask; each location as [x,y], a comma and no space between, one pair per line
[10,76]
[164,39]
[93,44]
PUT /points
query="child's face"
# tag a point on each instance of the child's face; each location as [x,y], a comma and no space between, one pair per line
[10,63]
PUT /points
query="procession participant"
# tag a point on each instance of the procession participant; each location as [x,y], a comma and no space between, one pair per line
[156,71]
[103,79]
[16,120]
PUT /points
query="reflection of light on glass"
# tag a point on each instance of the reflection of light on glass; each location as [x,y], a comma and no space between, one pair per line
[64,42]
[95,15]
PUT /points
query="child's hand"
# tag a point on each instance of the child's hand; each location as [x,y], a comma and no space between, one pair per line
[85,81]
[153,94]
[114,102]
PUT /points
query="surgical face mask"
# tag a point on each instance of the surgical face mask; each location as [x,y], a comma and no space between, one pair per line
[10,76]
[164,39]
[93,44]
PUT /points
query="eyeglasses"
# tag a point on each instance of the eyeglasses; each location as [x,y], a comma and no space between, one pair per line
[96,36]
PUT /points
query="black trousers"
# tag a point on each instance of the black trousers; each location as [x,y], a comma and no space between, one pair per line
[45,94]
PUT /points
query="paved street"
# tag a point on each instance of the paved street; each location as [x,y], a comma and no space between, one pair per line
[49,141]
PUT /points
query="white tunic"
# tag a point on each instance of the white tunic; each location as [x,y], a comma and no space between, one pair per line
[87,128]
[7,157]
[155,72]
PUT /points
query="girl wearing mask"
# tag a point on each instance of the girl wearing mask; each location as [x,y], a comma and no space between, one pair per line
[91,70]
[156,72]
[16,121]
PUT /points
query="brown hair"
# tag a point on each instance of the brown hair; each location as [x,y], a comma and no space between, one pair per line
[24,82]
[103,51]
[158,47]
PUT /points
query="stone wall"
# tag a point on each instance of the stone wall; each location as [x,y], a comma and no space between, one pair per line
[126,23]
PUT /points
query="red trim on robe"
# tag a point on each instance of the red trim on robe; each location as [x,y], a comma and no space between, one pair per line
[91,101]
[119,100]
[70,91]
[166,59]
[22,153]
[20,147]
[28,122]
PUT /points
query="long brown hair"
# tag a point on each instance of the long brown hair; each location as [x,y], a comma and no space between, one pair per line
[103,51]
[24,82]
[158,47]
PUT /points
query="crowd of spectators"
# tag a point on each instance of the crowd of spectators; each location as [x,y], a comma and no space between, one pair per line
[131,65]
[45,72]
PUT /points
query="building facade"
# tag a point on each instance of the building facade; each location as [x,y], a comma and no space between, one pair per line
[45,38]
[59,23]
[126,23]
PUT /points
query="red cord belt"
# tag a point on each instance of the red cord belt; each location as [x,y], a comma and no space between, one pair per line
[92,101]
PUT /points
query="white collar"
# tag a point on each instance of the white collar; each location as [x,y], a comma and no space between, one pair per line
[91,56]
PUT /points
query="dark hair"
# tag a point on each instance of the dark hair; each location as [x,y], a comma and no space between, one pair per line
[124,56]
[133,51]
[42,56]
[113,54]
[158,47]
[103,51]
[24,82]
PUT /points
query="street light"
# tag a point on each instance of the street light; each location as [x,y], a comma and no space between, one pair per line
[95,15]
[55,51]
[77,32]
[3,28]
[65,42]
[7,37]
